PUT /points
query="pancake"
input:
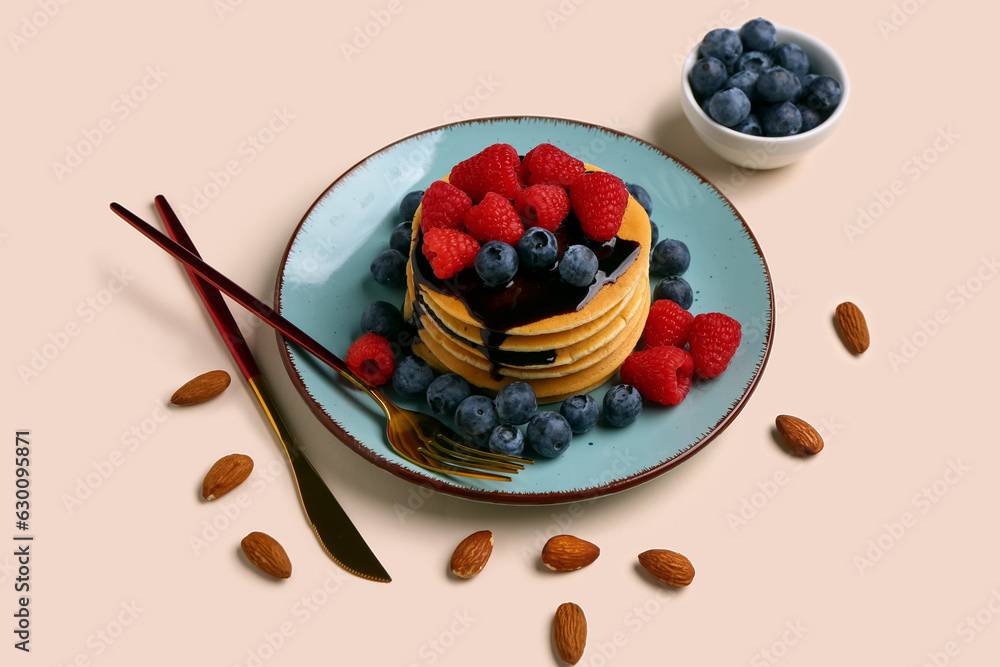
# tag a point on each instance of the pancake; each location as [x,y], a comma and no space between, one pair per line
[547,390]
[562,340]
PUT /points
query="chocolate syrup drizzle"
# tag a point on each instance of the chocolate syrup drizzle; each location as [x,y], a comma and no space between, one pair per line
[531,296]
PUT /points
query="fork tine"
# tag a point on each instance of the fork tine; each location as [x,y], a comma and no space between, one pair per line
[467,468]
[443,454]
[461,447]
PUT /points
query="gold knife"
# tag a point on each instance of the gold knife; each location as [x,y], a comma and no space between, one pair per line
[337,534]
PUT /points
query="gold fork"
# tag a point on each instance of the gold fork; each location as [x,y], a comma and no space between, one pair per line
[419,438]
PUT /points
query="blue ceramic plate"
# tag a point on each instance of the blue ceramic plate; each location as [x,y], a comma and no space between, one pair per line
[324,284]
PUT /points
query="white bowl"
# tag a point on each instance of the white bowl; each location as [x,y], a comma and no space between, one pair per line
[753,152]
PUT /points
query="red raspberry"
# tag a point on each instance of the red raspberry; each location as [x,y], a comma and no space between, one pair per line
[496,168]
[713,340]
[599,199]
[542,206]
[662,374]
[494,219]
[370,358]
[667,324]
[443,205]
[549,165]
[449,251]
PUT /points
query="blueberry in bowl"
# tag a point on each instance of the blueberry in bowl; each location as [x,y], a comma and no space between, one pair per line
[796,86]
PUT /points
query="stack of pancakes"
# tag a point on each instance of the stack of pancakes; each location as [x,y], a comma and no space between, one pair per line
[560,339]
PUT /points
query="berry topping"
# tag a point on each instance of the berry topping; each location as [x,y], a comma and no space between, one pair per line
[412,376]
[516,403]
[449,251]
[545,164]
[382,318]
[496,263]
[389,268]
[622,405]
[475,418]
[400,237]
[408,206]
[549,434]
[669,257]
[542,206]
[370,358]
[640,194]
[581,412]
[494,219]
[578,266]
[445,392]
[713,341]
[676,289]
[496,168]
[538,249]
[599,200]
[661,374]
[507,440]
[443,205]
[667,324]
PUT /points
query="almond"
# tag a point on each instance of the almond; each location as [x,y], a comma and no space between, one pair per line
[225,475]
[853,327]
[472,554]
[264,551]
[564,553]
[200,389]
[668,566]
[801,438]
[569,630]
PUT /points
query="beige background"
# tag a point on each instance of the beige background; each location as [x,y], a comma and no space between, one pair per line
[883,550]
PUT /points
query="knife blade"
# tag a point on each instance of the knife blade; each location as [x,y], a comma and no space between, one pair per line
[337,534]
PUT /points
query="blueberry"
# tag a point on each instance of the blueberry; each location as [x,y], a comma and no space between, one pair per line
[400,237]
[810,118]
[445,392]
[581,412]
[750,126]
[729,107]
[537,248]
[754,61]
[506,440]
[778,85]
[676,289]
[408,207]
[824,93]
[640,195]
[578,266]
[412,376]
[389,268]
[806,81]
[496,263]
[382,318]
[758,35]
[792,57]
[654,234]
[622,405]
[475,418]
[549,434]
[781,120]
[515,403]
[670,257]
[723,44]
[745,81]
[707,76]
